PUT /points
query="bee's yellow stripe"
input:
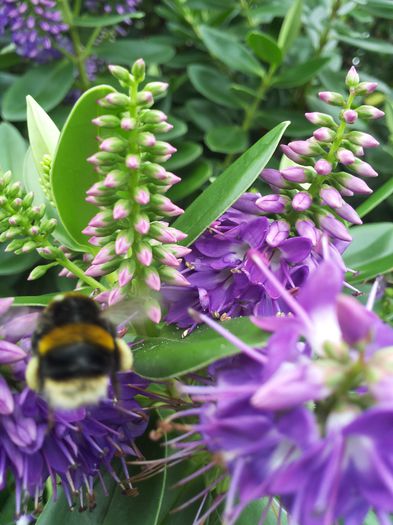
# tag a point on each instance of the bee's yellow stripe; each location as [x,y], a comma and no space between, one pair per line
[75,333]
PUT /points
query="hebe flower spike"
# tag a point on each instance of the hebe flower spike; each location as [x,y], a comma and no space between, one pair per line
[131,188]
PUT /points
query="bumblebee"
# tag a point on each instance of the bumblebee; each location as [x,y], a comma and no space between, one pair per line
[76,352]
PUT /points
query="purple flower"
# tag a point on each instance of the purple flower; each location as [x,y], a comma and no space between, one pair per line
[73,446]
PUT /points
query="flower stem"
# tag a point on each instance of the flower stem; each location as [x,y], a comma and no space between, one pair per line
[78,272]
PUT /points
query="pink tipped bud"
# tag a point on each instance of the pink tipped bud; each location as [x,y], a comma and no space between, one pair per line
[363,139]
[321,119]
[115,179]
[153,311]
[121,73]
[334,227]
[127,123]
[345,156]
[295,174]
[278,232]
[144,254]
[146,139]
[89,230]
[152,279]
[352,78]
[345,192]
[301,201]
[142,225]
[178,234]
[179,251]
[331,197]
[171,178]
[288,152]
[118,100]
[272,203]
[323,167]
[95,271]
[166,256]
[163,148]
[324,134]
[365,88]
[306,228]
[123,243]
[126,273]
[115,296]
[145,98]
[106,121]
[348,213]
[165,206]
[132,162]
[142,196]
[121,209]
[95,191]
[355,184]
[172,276]
[153,116]
[157,88]
[369,112]
[103,256]
[350,116]
[364,169]
[113,145]
[274,178]
[305,147]
[154,171]
[138,69]
[332,98]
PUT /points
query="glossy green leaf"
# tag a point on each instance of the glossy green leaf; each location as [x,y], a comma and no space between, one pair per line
[12,150]
[43,300]
[371,250]
[11,264]
[205,114]
[103,21]
[71,174]
[228,187]
[187,152]
[43,132]
[194,179]
[369,44]
[230,51]
[126,51]
[213,85]
[172,355]
[300,127]
[381,194]
[47,83]
[291,26]
[301,73]
[226,139]
[265,47]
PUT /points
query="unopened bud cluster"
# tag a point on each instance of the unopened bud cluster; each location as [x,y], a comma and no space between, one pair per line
[23,226]
[131,230]
[327,167]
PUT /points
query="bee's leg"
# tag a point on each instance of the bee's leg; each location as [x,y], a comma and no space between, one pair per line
[115,387]
[51,418]
[33,379]
[125,355]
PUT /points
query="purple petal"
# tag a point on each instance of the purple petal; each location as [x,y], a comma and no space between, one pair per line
[296,249]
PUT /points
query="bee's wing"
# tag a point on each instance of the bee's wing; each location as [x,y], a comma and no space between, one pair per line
[129,311]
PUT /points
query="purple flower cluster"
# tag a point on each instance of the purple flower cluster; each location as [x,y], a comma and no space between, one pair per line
[37,444]
[122,7]
[35,27]
[308,419]
[223,281]
[133,238]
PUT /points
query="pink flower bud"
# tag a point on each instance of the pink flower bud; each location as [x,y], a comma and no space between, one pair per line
[142,225]
[350,116]
[95,270]
[126,273]
[177,234]
[301,201]
[172,276]
[163,148]
[179,251]
[304,147]
[127,123]
[362,139]
[355,184]
[103,256]
[157,88]
[348,213]
[106,121]
[142,196]
[272,203]
[166,206]
[295,174]
[321,119]
[132,162]
[154,170]
[365,88]
[116,100]
[274,178]
[113,145]
[123,243]
[364,169]
[278,232]
[345,156]
[121,209]
[330,97]
[166,256]
[96,190]
[345,192]
[324,134]
[352,78]
[144,98]
[334,227]
[146,139]
[115,296]
[89,230]
[171,178]
[306,228]
[153,116]
[288,152]
[369,112]
[114,179]
[323,167]
[144,254]
[331,197]
[152,279]
[153,311]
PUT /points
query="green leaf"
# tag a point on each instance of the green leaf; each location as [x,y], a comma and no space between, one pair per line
[389,117]
[291,26]
[213,85]
[226,139]
[102,21]
[47,83]
[369,44]
[370,252]
[206,115]
[232,53]
[187,153]
[71,175]
[193,180]
[265,47]
[126,51]
[300,127]
[376,198]
[12,150]
[11,264]
[301,73]
[42,300]
[228,187]
[171,356]
[43,132]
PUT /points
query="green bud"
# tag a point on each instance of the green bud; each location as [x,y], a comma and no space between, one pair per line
[138,70]
[106,121]
[14,245]
[156,88]
[13,190]
[48,226]
[39,271]
[28,246]
[120,73]
[28,199]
